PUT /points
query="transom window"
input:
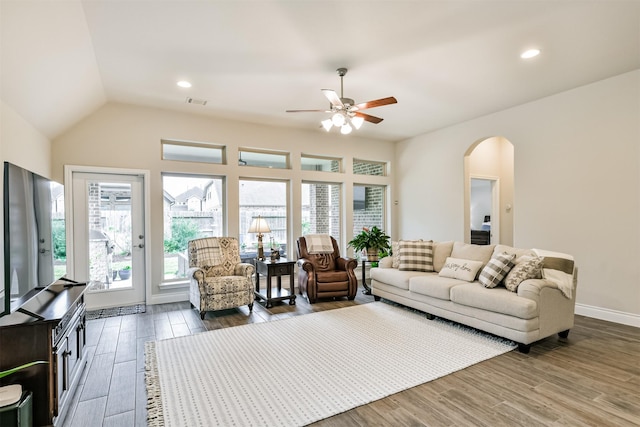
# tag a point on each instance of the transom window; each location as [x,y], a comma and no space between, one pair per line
[263,159]
[201,152]
[319,163]
[365,167]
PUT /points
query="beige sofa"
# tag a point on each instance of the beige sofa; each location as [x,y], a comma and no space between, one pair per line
[537,309]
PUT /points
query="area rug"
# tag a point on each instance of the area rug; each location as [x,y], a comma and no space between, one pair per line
[299,370]
[116,311]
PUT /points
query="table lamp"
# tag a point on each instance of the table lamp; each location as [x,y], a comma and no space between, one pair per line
[259,225]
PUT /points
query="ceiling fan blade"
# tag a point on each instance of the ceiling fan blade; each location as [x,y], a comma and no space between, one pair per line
[333,98]
[369,118]
[376,103]
[308,111]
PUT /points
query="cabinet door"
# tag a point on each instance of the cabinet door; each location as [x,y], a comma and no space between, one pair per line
[72,354]
[61,373]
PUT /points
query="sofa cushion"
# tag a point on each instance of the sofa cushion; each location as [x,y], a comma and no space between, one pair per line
[416,255]
[528,267]
[472,252]
[463,269]
[441,251]
[433,285]
[395,277]
[498,300]
[496,270]
[519,253]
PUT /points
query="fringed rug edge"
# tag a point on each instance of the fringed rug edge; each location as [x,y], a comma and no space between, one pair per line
[155,414]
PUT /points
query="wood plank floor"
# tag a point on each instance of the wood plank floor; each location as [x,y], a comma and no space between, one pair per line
[591,378]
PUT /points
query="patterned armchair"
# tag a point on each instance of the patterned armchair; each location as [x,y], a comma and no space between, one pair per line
[322,272]
[218,280]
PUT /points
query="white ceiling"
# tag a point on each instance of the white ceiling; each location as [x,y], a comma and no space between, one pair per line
[445,61]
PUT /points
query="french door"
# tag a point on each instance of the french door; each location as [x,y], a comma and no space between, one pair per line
[109,237]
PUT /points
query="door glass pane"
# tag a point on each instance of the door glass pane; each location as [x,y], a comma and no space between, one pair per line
[109,209]
[321,209]
[267,199]
[193,208]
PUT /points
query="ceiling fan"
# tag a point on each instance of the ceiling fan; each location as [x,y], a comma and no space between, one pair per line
[345,113]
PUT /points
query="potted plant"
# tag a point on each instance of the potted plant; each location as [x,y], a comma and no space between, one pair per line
[370,242]
[125,272]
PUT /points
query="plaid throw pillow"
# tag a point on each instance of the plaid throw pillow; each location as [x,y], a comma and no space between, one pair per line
[496,270]
[416,255]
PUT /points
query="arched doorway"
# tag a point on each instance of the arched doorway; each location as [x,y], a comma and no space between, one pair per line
[489,191]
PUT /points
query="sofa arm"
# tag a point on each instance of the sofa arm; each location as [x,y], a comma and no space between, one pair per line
[196,273]
[244,269]
[531,288]
[346,264]
[386,262]
[306,265]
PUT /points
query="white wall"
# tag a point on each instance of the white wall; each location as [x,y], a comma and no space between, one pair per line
[577,185]
[24,146]
[125,136]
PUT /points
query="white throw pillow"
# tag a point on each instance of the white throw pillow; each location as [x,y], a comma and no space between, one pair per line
[496,270]
[463,269]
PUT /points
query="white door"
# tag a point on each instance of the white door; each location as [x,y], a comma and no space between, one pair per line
[109,239]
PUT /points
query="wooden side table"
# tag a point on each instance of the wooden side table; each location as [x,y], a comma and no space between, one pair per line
[278,268]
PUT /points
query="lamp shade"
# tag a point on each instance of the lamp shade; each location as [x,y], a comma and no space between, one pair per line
[259,225]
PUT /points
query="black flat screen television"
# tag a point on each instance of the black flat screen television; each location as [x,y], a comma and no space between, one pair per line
[34,236]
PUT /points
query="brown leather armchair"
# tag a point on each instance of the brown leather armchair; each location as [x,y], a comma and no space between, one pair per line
[325,275]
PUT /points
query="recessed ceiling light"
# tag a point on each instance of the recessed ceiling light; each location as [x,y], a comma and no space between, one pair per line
[531,53]
[184,83]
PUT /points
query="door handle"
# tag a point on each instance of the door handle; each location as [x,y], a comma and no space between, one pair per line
[141,245]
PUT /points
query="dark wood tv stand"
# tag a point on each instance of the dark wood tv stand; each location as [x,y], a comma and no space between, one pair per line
[49,327]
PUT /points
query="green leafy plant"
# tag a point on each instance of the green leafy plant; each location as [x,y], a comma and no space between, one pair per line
[182,230]
[126,267]
[373,238]
[18,368]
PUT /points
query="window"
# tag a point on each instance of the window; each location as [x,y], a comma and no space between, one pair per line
[317,163]
[321,209]
[364,167]
[201,152]
[263,159]
[267,199]
[369,208]
[193,208]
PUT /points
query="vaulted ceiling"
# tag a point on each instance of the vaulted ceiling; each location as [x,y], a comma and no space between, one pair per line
[445,61]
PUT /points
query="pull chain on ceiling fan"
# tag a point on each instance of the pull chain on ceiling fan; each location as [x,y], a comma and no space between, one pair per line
[345,113]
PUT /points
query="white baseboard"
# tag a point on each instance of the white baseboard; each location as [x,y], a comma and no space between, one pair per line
[608,315]
[167,298]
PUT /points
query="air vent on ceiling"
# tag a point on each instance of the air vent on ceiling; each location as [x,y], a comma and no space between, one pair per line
[196,101]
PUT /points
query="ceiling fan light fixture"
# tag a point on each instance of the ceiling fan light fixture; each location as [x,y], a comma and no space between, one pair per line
[338,119]
[346,129]
[327,124]
[357,121]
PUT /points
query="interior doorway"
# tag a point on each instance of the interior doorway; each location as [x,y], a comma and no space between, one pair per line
[489,191]
[484,210]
